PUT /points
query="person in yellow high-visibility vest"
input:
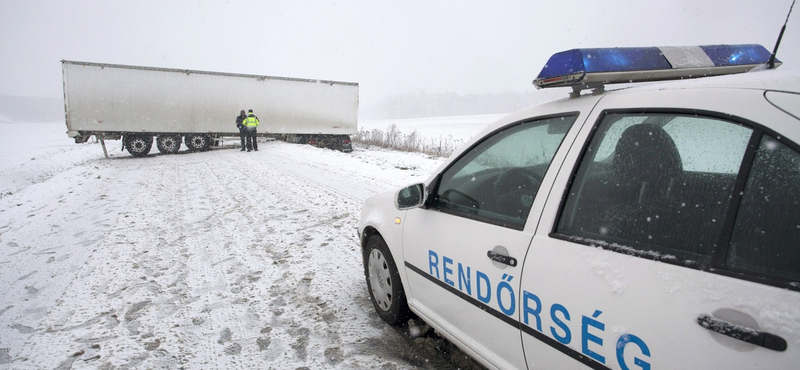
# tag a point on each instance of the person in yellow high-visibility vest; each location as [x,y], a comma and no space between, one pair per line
[250,123]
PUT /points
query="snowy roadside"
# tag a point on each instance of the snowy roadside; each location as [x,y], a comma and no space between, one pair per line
[220,259]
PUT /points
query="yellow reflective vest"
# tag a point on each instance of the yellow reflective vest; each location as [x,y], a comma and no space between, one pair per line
[251,120]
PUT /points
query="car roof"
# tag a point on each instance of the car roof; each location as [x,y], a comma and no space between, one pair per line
[776,80]
[763,80]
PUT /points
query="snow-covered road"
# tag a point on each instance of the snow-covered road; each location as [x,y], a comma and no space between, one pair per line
[221,259]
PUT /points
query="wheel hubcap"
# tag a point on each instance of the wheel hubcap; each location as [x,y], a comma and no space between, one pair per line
[379,279]
[169,143]
[138,145]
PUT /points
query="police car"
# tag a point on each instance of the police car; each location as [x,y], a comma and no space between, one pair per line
[651,226]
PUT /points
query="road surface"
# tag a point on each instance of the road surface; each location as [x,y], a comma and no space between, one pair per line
[222,259]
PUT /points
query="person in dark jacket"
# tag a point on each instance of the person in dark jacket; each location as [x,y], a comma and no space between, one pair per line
[240,126]
[250,123]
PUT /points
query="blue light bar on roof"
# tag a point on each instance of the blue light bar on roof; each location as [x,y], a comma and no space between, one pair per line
[590,68]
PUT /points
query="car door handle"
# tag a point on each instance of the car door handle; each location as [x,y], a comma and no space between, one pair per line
[742,333]
[497,257]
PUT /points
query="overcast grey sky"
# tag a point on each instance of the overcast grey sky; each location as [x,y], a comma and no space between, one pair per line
[386,46]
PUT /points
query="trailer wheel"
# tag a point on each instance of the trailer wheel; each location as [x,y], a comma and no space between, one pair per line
[197,142]
[139,145]
[168,144]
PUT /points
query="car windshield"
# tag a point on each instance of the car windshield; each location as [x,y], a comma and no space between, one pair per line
[497,180]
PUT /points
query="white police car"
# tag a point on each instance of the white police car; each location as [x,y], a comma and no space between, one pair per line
[649,227]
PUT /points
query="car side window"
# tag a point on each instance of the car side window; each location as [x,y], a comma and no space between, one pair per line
[766,236]
[497,180]
[656,185]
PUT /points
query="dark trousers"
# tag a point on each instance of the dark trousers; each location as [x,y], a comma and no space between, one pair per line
[242,134]
[252,143]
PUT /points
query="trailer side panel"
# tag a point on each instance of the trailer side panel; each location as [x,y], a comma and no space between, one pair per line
[116,98]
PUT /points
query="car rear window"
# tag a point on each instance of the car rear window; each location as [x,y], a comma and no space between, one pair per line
[656,184]
[683,188]
[766,238]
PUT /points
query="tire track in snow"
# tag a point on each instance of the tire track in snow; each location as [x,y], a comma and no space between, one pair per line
[43,256]
[289,296]
[355,343]
[224,259]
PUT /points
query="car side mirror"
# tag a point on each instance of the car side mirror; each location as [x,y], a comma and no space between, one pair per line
[410,197]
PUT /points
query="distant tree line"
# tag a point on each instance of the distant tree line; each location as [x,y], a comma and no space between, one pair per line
[392,138]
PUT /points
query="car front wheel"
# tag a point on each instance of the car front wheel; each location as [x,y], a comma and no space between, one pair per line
[383,281]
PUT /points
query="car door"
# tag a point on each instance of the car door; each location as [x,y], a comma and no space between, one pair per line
[463,251]
[674,243]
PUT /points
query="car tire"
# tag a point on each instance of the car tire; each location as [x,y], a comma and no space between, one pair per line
[383,282]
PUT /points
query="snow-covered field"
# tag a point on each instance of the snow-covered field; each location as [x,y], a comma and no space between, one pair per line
[460,128]
[221,259]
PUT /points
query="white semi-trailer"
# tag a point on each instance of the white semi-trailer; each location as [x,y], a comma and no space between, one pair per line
[144,104]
